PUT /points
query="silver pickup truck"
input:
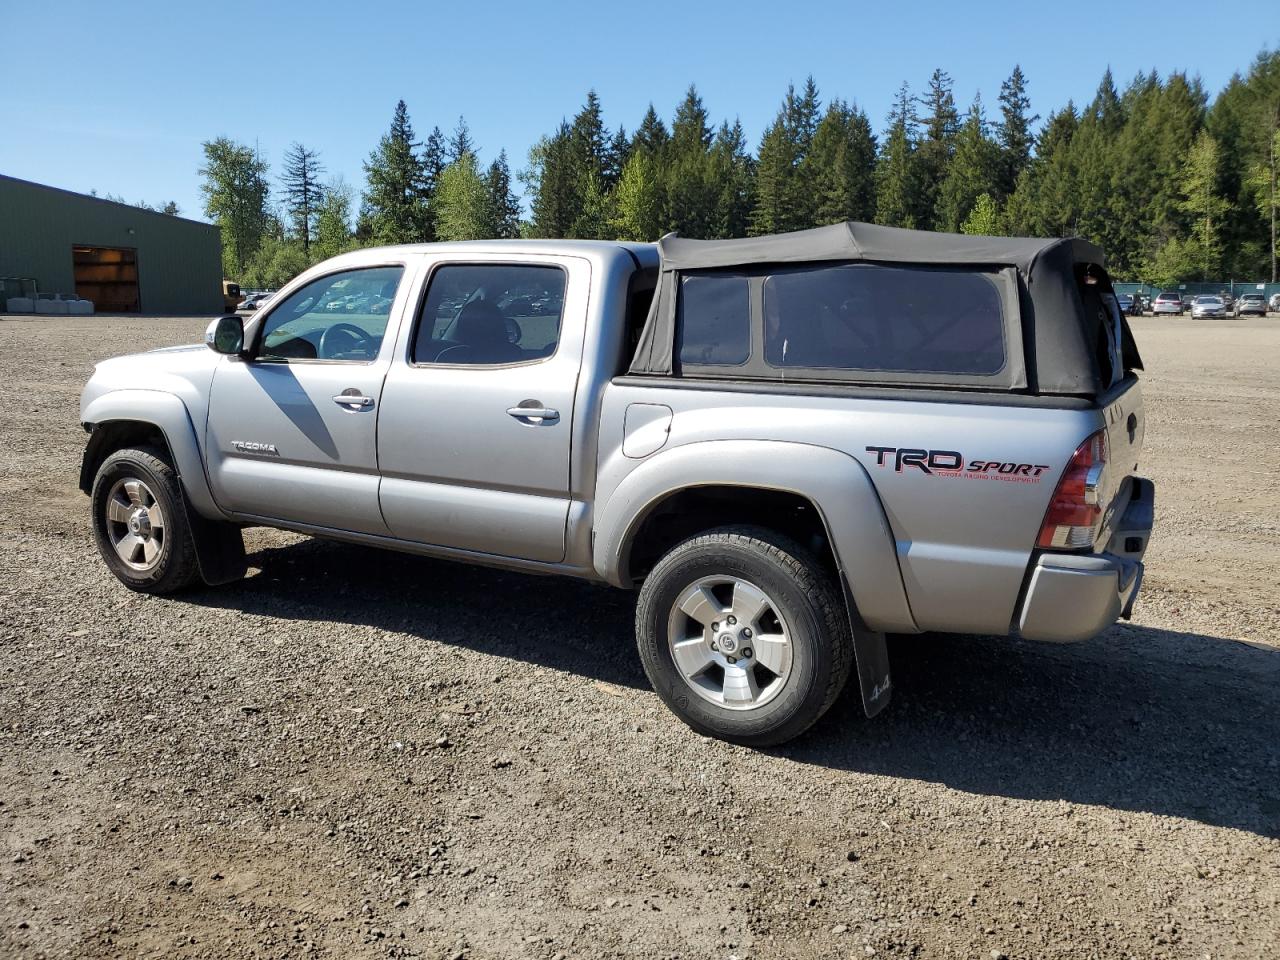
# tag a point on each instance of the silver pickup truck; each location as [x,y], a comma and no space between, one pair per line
[790,445]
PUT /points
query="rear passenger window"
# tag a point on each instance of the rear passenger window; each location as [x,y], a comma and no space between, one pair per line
[714,313]
[890,319]
[490,314]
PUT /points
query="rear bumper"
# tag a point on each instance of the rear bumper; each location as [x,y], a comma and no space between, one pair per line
[1074,596]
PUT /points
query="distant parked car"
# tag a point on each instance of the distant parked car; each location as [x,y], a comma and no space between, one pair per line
[256,301]
[1251,303]
[1227,300]
[1168,302]
[1130,304]
[1275,302]
[1208,306]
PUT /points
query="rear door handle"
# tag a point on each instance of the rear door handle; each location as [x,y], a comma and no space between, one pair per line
[531,413]
[353,400]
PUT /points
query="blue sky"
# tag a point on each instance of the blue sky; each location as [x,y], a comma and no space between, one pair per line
[119,98]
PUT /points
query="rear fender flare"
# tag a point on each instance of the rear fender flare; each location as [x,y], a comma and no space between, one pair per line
[834,482]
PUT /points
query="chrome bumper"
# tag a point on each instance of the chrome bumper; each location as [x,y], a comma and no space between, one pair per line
[1074,596]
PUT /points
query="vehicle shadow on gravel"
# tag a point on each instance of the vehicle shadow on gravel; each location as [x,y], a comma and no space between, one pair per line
[1157,721]
[1141,719]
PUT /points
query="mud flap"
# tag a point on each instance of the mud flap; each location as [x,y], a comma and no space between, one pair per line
[219,549]
[871,660]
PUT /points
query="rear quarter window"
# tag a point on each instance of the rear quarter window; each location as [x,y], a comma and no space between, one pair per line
[714,313]
[865,317]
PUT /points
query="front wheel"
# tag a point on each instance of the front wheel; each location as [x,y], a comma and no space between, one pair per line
[140,522]
[744,636]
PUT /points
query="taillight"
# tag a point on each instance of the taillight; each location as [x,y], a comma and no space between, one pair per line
[1071,522]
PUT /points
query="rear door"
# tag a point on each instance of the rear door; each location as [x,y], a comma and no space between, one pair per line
[474,433]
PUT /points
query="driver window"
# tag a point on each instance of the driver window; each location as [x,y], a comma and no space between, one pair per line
[490,314]
[342,316]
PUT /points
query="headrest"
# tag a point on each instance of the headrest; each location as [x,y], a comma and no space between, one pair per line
[480,322]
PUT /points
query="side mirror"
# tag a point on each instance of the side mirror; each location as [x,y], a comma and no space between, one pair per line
[225,335]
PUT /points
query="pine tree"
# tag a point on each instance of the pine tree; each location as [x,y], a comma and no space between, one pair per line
[1013,133]
[651,136]
[840,166]
[732,176]
[940,126]
[395,200]
[973,173]
[616,156]
[464,208]
[434,160]
[689,192]
[503,201]
[460,142]
[898,175]
[778,157]
[551,179]
[302,191]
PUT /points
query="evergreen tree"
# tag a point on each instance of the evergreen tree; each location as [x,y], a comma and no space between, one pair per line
[689,193]
[840,166]
[776,187]
[732,174]
[435,157]
[974,171]
[464,208]
[939,128]
[460,142]
[303,191]
[1013,133]
[616,156]
[898,175]
[503,201]
[235,198]
[551,179]
[395,199]
[651,136]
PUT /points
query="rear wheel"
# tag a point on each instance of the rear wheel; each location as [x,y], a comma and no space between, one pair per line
[743,635]
[140,522]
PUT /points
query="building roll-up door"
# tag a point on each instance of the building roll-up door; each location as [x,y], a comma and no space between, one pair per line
[109,277]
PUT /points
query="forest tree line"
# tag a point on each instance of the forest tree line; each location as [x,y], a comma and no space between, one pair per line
[1172,184]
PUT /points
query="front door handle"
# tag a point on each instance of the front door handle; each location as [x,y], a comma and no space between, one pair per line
[532,411]
[353,400]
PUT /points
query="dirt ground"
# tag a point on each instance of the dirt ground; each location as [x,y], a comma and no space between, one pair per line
[354,754]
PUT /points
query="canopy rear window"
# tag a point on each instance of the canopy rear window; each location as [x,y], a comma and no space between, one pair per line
[864,317]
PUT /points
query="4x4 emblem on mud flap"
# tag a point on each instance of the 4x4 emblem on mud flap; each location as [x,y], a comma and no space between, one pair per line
[252,446]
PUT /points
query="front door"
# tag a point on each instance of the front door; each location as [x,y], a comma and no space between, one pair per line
[474,434]
[291,431]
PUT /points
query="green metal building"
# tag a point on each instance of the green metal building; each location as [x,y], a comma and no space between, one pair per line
[123,258]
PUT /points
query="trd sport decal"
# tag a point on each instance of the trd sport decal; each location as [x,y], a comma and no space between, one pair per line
[951,463]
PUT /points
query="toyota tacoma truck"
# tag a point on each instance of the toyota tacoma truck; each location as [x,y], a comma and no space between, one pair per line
[788,445]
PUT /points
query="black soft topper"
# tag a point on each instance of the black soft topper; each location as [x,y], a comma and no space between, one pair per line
[1055,290]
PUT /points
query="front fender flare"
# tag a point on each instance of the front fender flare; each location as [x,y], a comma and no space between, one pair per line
[834,482]
[170,416]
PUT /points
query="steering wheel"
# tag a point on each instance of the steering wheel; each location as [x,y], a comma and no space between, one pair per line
[357,335]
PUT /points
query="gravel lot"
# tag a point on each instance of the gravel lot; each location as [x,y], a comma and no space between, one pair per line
[417,759]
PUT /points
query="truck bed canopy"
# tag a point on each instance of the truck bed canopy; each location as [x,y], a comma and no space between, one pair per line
[1052,340]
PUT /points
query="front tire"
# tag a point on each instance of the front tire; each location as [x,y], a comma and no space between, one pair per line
[744,635]
[140,522]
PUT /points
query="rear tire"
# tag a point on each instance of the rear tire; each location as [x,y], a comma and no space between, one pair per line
[140,522]
[744,635]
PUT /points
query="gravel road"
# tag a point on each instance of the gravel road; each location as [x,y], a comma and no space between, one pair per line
[417,759]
